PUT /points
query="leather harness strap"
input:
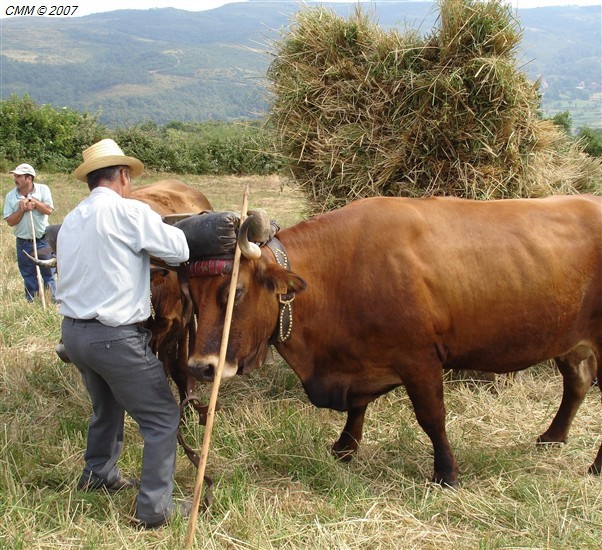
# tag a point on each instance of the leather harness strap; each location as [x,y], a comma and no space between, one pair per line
[284,325]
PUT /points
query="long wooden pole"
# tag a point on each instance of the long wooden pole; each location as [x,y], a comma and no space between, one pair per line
[216,384]
[35,255]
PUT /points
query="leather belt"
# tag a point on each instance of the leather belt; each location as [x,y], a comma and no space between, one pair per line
[31,240]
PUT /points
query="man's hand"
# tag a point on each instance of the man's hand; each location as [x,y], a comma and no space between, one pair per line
[26,205]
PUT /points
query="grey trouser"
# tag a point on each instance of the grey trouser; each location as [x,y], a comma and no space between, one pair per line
[122,374]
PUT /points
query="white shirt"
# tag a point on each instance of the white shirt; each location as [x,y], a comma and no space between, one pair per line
[103,255]
[22,229]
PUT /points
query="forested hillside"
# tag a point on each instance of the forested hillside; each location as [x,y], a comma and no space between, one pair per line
[166,64]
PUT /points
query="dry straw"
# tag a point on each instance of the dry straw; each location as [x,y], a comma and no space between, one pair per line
[360,112]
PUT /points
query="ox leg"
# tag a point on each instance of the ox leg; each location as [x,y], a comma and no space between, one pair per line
[182,382]
[596,467]
[351,435]
[179,372]
[426,394]
[578,370]
[169,359]
[186,383]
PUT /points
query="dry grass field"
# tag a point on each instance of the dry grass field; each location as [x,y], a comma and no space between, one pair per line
[276,486]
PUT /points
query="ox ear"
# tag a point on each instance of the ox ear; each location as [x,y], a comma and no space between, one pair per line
[281,281]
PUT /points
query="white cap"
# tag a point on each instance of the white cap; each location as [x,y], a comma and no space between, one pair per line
[23,169]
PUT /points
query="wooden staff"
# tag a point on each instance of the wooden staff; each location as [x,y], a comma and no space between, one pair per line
[216,383]
[35,255]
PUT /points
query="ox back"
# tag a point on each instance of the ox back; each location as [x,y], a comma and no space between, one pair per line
[399,289]
[171,197]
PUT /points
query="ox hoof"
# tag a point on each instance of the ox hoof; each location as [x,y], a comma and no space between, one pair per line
[545,440]
[446,484]
[595,469]
[342,455]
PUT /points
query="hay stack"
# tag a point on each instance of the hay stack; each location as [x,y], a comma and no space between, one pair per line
[361,112]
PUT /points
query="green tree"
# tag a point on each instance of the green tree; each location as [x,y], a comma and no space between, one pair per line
[592,139]
[565,121]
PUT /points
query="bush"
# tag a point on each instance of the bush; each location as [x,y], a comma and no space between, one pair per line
[53,140]
[240,148]
[50,139]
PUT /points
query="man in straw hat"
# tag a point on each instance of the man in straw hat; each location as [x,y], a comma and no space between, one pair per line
[103,249]
[26,210]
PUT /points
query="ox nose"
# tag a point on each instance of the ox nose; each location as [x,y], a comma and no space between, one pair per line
[203,371]
[205,368]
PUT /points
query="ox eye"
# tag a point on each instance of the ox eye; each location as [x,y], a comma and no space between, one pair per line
[225,291]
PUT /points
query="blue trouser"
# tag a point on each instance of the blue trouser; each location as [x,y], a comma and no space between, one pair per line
[28,268]
[122,374]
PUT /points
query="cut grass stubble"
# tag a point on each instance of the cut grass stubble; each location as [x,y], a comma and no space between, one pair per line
[276,484]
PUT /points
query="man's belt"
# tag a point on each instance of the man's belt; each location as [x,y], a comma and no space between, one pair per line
[31,240]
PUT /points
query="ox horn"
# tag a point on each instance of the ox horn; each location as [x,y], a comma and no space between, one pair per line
[42,263]
[255,228]
[172,219]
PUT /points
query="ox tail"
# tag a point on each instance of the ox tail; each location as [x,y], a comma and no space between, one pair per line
[596,467]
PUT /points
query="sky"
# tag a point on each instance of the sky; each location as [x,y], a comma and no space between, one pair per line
[86,7]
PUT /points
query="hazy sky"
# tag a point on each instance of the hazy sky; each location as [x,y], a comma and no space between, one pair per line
[86,7]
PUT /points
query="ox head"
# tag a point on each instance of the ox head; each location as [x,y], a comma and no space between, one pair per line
[52,232]
[256,305]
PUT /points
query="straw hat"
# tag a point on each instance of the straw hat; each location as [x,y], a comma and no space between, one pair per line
[103,154]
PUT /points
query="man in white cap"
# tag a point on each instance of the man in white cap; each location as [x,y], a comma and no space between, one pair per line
[103,250]
[27,201]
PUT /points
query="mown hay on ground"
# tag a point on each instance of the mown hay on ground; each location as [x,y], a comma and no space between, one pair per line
[361,112]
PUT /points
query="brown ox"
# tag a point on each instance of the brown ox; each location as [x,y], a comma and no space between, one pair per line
[398,289]
[169,323]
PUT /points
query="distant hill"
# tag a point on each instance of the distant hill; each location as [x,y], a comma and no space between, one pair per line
[162,65]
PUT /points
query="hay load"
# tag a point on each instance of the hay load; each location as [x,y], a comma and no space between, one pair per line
[361,112]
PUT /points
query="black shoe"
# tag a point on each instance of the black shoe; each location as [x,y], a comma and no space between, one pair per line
[91,483]
[183,508]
